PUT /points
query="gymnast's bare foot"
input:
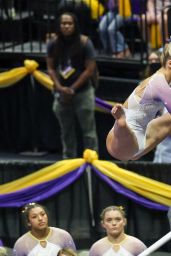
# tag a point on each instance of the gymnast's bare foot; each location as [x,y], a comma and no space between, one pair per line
[119,114]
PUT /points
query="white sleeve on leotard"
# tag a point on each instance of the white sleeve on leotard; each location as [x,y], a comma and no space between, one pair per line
[158,89]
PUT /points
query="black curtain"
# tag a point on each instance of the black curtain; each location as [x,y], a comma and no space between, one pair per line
[27,120]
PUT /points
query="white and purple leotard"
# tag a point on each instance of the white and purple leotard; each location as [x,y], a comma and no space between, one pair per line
[131,246]
[141,111]
[28,245]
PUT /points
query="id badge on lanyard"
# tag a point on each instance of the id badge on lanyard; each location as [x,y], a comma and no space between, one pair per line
[67,71]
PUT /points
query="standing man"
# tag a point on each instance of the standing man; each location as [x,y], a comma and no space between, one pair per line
[71,65]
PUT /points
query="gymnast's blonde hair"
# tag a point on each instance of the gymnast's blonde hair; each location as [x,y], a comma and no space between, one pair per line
[3,251]
[112,208]
[166,54]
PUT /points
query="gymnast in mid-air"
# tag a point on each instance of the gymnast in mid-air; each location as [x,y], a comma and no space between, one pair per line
[138,127]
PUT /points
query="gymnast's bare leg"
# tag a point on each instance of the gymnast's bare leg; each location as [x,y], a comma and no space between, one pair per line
[121,142]
[157,130]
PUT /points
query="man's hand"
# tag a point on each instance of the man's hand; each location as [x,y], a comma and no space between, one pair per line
[66,90]
[66,95]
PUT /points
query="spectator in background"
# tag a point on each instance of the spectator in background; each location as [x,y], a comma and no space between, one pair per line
[116,242]
[80,9]
[153,63]
[155,24]
[71,65]
[112,39]
[41,239]
[9,8]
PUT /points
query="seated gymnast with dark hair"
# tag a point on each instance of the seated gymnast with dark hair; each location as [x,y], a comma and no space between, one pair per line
[41,239]
[138,129]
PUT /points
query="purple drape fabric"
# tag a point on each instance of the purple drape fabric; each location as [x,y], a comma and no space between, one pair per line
[130,194]
[103,104]
[40,192]
[47,189]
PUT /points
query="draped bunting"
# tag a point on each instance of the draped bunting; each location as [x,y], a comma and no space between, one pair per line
[11,77]
[41,191]
[52,179]
[126,192]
